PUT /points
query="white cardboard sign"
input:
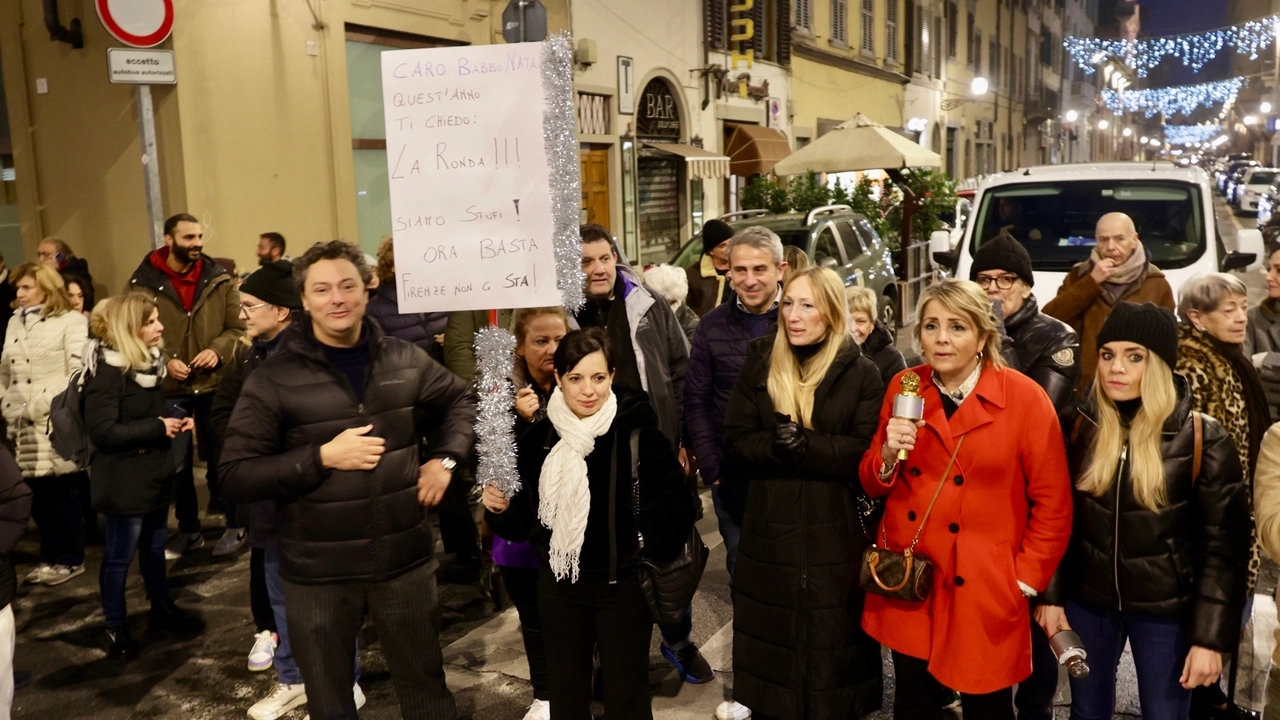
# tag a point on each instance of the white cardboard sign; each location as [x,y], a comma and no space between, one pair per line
[470,204]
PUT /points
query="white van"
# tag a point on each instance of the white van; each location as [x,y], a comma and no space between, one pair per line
[1052,211]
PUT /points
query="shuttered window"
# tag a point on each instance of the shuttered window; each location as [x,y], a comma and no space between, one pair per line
[804,15]
[869,26]
[840,22]
[891,40]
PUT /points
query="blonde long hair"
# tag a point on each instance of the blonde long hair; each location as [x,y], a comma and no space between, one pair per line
[1146,460]
[791,384]
[118,322]
[49,280]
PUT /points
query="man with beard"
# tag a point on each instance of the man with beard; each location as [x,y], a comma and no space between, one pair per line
[270,248]
[200,310]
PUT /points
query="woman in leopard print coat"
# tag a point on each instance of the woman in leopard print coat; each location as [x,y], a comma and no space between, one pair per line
[1224,383]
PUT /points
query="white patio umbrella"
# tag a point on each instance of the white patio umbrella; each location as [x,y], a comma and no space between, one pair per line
[858,144]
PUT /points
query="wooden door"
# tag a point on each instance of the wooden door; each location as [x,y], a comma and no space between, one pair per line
[594,161]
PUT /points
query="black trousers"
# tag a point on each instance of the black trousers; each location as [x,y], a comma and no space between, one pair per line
[59,514]
[1034,698]
[522,586]
[264,618]
[458,530]
[916,696]
[186,504]
[324,621]
[590,613]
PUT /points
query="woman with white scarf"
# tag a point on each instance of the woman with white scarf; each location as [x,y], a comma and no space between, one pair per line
[571,463]
[132,471]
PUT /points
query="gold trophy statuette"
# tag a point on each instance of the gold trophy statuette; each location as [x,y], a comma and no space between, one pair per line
[908,404]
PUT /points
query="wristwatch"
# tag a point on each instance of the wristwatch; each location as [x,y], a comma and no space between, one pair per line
[448,463]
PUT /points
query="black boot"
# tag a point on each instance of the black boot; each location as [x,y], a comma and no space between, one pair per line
[120,644]
[166,616]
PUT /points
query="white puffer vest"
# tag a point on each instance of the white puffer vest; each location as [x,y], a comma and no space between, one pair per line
[40,354]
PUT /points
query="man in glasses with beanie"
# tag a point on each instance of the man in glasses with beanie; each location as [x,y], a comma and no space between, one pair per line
[708,278]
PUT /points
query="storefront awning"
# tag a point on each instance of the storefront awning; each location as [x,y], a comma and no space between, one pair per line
[755,150]
[702,164]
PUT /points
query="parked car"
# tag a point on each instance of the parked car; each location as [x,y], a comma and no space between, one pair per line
[833,236]
[1251,187]
[1234,186]
[1225,174]
[1053,210]
[1268,202]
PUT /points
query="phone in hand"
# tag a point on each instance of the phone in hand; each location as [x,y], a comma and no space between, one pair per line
[179,413]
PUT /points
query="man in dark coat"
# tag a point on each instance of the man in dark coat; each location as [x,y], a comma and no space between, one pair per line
[332,428]
[200,310]
[1048,351]
[708,286]
[715,361]
[1045,349]
[8,294]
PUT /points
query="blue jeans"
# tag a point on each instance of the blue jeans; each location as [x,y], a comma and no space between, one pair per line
[729,530]
[1159,651]
[286,667]
[126,534]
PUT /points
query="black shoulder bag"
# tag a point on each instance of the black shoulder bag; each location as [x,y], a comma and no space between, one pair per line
[668,588]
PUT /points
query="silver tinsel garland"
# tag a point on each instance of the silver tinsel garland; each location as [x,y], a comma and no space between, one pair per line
[495,419]
[495,347]
[560,136]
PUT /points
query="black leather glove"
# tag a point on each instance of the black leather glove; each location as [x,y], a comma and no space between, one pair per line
[789,440]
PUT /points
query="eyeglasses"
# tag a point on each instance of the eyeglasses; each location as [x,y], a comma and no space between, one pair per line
[1004,282]
[247,309]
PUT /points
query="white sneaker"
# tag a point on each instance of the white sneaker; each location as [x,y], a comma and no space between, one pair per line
[730,710]
[539,710]
[37,574]
[281,700]
[180,544]
[59,574]
[263,654]
[232,540]
[359,696]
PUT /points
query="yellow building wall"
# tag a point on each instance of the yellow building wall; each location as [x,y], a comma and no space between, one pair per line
[255,137]
[823,91]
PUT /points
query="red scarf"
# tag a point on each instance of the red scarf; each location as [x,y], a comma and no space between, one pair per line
[183,283]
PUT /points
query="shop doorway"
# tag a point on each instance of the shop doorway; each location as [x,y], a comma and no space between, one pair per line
[594,163]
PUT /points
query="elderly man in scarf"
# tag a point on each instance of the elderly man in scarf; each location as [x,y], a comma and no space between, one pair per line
[1119,268]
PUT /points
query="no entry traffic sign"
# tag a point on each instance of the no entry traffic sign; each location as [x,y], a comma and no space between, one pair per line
[140,23]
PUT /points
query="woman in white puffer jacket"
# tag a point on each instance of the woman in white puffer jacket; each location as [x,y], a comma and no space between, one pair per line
[42,349]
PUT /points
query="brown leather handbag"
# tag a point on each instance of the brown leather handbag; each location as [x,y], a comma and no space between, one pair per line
[905,575]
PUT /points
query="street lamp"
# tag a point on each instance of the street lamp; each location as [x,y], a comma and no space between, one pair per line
[1249,119]
[1072,115]
[1128,132]
[1264,108]
[977,88]
[1144,140]
[1103,124]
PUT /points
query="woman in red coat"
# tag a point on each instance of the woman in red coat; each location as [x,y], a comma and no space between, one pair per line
[1002,519]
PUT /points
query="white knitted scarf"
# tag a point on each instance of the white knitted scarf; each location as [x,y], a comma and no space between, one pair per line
[565,492]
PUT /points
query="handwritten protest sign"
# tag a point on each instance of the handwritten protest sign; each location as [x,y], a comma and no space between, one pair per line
[471,211]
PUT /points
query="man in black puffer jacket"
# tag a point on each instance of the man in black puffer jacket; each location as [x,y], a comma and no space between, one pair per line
[332,427]
[1045,349]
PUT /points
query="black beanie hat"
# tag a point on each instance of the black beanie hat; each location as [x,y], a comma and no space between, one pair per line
[715,232]
[273,283]
[1148,325]
[1003,252]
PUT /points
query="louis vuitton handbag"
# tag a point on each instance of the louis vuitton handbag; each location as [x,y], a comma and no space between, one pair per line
[905,575]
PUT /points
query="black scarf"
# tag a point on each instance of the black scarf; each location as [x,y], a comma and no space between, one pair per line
[611,314]
[1255,397]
